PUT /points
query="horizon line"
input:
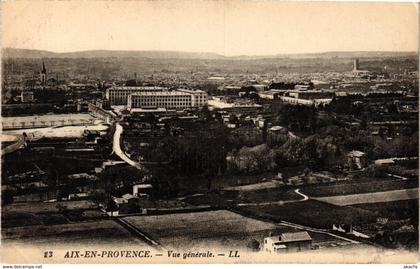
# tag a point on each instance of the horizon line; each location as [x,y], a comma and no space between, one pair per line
[216,53]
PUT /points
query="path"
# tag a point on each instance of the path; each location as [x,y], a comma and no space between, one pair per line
[18,144]
[297,191]
[138,233]
[116,147]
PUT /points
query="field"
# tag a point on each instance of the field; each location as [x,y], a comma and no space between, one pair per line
[40,213]
[58,132]
[195,230]
[218,229]
[394,210]
[46,120]
[87,233]
[235,197]
[48,207]
[359,186]
[313,213]
[373,197]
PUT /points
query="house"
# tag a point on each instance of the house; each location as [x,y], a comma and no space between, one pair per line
[142,190]
[288,242]
[125,204]
[356,159]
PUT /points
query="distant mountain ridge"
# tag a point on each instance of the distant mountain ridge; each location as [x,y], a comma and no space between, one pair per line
[29,53]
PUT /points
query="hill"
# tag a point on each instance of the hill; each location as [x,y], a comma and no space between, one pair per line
[27,53]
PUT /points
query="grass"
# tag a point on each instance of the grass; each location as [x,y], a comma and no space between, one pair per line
[14,219]
[359,186]
[233,197]
[373,197]
[202,229]
[95,232]
[313,213]
[53,207]
[394,210]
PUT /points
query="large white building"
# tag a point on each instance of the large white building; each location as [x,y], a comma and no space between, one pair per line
[118,95]
[198,97]
[177,99]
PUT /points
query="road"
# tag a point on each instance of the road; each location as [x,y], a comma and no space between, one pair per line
[20,143]
[116,148]
[304,198]
[138,233]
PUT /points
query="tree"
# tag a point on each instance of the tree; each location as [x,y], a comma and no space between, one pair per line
[7,197]
[254,245]
[111,206]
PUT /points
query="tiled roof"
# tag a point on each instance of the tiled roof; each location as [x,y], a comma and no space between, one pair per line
[298,236]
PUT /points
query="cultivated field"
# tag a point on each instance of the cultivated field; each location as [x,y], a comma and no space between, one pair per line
[203,229]
[373,197]
[394,210]
[53,207]
[215,229]
[313,213]
[46,120]
[58,132]
[359,186]
[88,233]
[235,197]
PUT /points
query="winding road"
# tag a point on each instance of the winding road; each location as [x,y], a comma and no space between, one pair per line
[297,191]
[116,148]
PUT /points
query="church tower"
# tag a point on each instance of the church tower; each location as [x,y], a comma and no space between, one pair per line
[43,74]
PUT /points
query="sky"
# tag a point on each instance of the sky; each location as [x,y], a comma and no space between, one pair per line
[226,27]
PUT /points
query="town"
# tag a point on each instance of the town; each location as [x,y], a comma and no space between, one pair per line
[273,155]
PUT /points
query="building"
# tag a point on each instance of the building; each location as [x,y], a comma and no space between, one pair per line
[307,97]
[43,74]
[169,100]
[356,159]
[176,100]
[355,64]
[198,97]
[270,94]
[118,95]
[221,104]
[126,204]
[27,96]
[142,190]
[288,242]
[357,71]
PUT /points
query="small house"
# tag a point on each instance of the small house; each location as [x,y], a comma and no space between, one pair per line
[288,242]
[356,159]
[142,190]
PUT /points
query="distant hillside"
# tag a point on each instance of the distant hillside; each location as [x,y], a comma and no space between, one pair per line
[26,53]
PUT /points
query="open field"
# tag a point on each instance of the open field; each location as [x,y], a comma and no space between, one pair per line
[235,197]
[58,132]
[46,120]
[359,186]
[394,210]
[41,213]
[373,197]
[53,207]
[313,213]
[190,230]
[97,232]
[221,228]
[254,187]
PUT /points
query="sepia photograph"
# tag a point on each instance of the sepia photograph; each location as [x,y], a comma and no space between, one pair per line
[209,132]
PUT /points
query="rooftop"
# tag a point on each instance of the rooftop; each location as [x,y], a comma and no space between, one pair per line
[291,237]
[163,93]
[134,88]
